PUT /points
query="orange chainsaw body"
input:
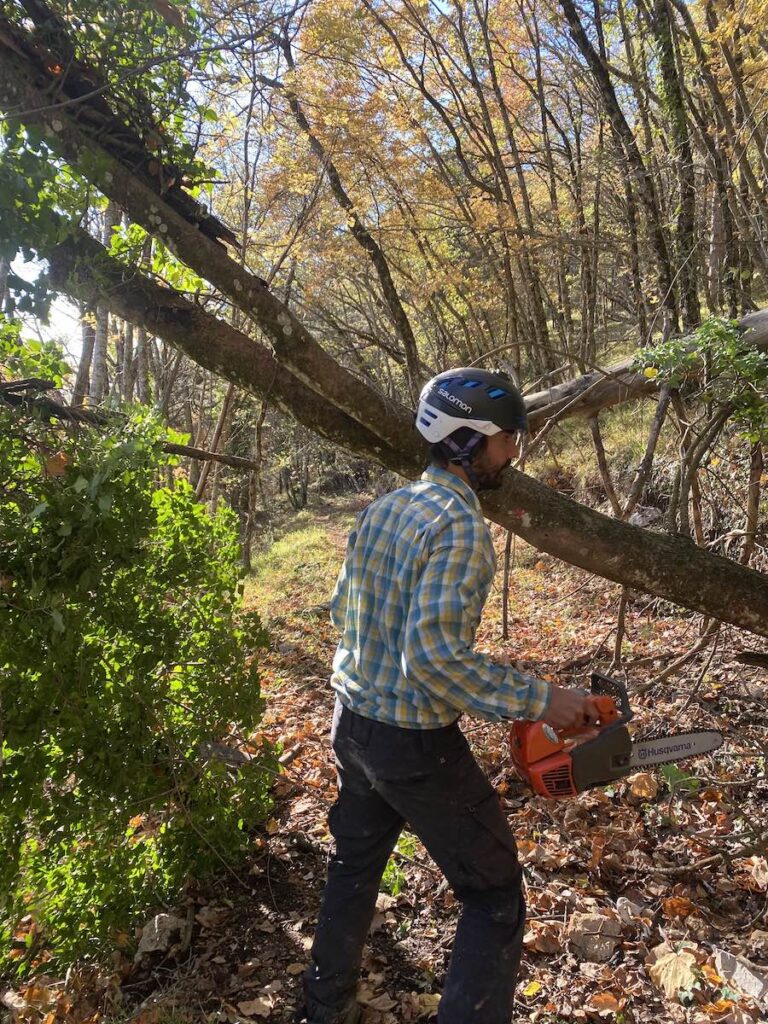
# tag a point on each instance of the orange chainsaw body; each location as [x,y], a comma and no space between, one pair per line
[562,764]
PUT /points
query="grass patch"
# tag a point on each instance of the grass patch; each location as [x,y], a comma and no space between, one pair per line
[624,429]
[301,566]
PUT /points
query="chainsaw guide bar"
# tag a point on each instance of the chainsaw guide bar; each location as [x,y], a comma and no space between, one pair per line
[665,749]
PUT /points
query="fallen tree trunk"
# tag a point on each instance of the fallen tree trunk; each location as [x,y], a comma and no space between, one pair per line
[667,566]
[321,392]
[81,267]
[588,394]
[32,101]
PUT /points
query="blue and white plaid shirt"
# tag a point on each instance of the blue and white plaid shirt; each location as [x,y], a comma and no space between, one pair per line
[417,572]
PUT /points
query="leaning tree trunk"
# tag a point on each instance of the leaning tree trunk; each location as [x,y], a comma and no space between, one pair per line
[315,387]
[663,565]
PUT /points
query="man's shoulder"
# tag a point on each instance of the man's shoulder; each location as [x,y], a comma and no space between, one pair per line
[425,506]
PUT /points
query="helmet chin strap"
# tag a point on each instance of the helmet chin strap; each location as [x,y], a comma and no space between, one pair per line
[462,455]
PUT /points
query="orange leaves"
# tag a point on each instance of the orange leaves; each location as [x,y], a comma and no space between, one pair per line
[606,1003]
[678,906]
[56,465]
[643,785]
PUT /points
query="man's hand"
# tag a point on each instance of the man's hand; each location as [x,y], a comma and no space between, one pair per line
[570,709]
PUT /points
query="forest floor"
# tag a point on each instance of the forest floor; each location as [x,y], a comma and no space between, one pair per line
[640,895]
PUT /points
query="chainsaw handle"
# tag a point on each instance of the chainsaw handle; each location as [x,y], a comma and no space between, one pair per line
[606,711]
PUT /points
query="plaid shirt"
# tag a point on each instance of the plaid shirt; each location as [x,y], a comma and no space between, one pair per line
[417,572]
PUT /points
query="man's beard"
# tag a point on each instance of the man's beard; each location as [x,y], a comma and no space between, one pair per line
[490,480]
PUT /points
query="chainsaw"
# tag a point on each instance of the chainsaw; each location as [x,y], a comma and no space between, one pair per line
[561,764]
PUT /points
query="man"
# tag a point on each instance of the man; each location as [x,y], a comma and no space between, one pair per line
[418,569]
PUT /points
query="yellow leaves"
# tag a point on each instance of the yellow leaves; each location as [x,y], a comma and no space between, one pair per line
[673,971]
[650,372]
[711,975]
[643,785]
[532,989]
[428,1003]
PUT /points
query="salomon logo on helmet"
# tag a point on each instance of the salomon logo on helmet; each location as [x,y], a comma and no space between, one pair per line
[454,400]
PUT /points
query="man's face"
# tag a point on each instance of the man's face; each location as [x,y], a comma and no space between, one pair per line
[499,451]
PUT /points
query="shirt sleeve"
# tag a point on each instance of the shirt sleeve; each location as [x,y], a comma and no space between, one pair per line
[440,630]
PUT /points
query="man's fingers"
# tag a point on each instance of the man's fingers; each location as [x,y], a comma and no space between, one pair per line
[591,713]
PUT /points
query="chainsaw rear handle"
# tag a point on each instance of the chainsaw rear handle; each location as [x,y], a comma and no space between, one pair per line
[556,767]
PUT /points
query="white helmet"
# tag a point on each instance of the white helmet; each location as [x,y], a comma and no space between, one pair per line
[483,400]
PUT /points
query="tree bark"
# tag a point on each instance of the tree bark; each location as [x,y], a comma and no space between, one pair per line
[294,345]
[686,217]
[83,379]
[666,566]
[586,395]
[82,268]
[99,375]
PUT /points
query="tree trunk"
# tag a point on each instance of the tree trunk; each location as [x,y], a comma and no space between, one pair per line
[83,379]
[686,217]
[662,565]
[639,171]
[365,240]
[99,376]
[214,445]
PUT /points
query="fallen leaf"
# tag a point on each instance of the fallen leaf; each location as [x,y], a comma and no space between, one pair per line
[531,989]
[295,968]
[257,1007]
[742,974]
[544,937]
[673,971]
[644,785]
[598,846]
[382,1003]
[760,871]
[711,974]
[604,1002]
[678,906]
[427,1003]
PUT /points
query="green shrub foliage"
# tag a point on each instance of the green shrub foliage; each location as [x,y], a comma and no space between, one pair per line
[722,366]
[122,655]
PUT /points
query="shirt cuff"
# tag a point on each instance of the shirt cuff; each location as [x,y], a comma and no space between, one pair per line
[539,697]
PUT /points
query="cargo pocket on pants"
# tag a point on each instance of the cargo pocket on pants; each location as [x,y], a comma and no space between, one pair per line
[487,851]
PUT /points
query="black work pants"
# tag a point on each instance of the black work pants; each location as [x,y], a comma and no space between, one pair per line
[389,777]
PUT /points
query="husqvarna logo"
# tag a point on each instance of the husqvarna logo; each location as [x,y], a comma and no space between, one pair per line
[454,400]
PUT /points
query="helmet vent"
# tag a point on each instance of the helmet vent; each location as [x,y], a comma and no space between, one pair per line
[470,383]
[496,392]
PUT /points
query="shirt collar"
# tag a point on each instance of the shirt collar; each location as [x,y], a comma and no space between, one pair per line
[444,477]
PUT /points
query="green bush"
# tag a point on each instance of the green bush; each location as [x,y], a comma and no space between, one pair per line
[122,654]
